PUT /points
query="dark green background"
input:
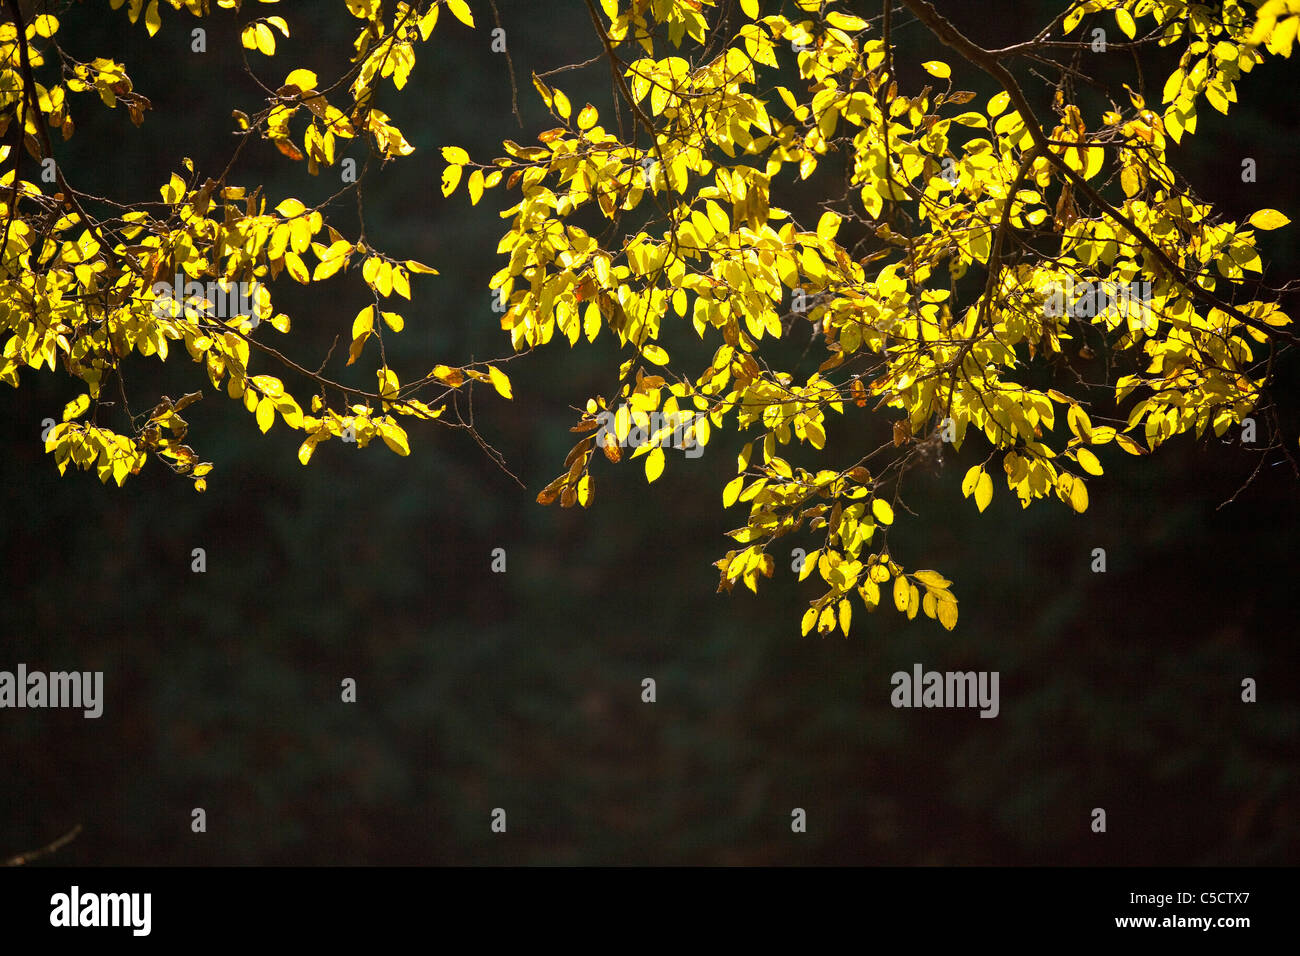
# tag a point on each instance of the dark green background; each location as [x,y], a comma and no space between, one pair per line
[522,690]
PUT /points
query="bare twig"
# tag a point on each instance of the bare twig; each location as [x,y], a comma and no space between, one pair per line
[24,858]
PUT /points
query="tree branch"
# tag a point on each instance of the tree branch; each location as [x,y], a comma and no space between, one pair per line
[988,62]
[54,847]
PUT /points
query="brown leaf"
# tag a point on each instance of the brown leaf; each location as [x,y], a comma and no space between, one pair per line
[354,351]
[859,393]
[578,451]
[286,146]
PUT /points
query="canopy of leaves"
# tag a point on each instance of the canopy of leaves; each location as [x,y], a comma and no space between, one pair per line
[937,284]
[84,290]
[937,281]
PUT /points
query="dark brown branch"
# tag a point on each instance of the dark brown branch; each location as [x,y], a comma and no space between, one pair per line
[54,847]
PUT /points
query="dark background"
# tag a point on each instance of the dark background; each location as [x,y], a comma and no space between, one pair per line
[522,690]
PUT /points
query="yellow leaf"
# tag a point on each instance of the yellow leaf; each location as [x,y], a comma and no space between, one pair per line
[290,208]
[76,407]
[1080,423]
[152,22]
[448,376]
[384,279]
[499,381]
[1130,180]
[1125,21]
[561,104]
[732,491]
[1268,219]
[475,187]
[460,10]
[931,579]
[290,411]
[265,414]
[394,437]
[828,225]
[1129,445]
[327,267]
[969,481]
[450,177]
[1283,36]
[303,79]
[1088,461]
[901,593]
[679,301]
[45,25]
[717,217]
[655,354]
[813,266]
[937,68]
[264,39]
[1079,496]
[299,235]
[947,611]
[1094,157]
[654,464]
[364,322]
[750,8]
[845,21]
[870,592]
[268,385]
[810,615]
[983,491]
[429,21]
[296,267]
[883,512]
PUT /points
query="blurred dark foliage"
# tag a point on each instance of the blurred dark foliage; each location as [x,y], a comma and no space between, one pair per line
[522,690]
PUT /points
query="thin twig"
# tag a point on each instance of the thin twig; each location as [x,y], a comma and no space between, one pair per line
[60,843]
